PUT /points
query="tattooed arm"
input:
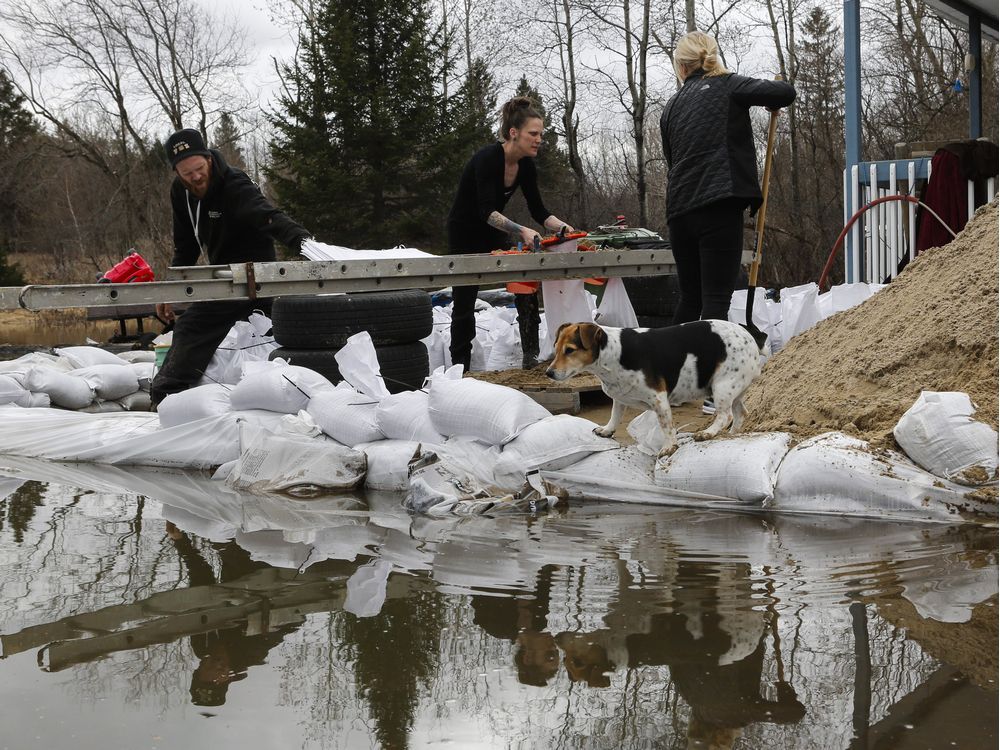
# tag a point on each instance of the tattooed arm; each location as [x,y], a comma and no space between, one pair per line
[498,221]
[555,224]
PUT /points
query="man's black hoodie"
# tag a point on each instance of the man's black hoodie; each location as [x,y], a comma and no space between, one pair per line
[235,222]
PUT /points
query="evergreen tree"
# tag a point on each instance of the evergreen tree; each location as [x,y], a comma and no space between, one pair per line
[16,123]
[227,140]
[359,156]
[17,126]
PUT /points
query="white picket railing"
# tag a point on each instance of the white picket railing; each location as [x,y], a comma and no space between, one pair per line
[886,233]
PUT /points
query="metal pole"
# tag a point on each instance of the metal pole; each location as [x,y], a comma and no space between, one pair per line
[852,119]
[976,75]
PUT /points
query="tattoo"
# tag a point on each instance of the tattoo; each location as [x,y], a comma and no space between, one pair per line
[498,221]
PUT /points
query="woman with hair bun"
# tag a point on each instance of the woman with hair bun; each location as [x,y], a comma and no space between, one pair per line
[712,172]
[476,223]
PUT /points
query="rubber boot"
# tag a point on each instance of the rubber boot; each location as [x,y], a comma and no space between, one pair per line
[528,320]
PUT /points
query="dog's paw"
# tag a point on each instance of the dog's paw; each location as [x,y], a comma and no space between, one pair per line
[700,437]
[666,451]
[603,431]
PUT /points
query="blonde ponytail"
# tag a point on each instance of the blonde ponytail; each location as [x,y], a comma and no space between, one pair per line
[697,50]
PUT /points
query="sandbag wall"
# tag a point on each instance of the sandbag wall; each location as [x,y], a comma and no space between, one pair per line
[312,329]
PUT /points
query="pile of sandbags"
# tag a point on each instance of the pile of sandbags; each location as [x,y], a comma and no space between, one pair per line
[798,308]
[81,378]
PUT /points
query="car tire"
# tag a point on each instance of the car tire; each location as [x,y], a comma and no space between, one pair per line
[327,321]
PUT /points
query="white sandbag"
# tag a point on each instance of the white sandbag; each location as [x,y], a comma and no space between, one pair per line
[273,460]
[939,434]
[436,350]
[137,356]
[616,308]
[100,406]
[741,468]
[277,386]
[406,416]
[138,401]
[551,443]
[505,347]
[65,390]
[244,343]
[13,392]
[845,296]
[144,372]
[471,457]
[799,309]
[389,463]
[837,474]
[110,382]
[565,302]
[489,412]
[625,475]
[88,356]
[358,365]
[345,415]
[196,403]
[18,368]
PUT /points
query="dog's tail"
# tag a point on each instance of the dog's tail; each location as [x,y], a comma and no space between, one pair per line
[758,335]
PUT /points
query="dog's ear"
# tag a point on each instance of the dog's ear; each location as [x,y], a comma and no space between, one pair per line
[592,337]
[559,330]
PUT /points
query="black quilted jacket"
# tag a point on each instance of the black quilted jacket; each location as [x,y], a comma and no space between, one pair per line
[707,139]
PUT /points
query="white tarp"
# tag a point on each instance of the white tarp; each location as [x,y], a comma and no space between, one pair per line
[122,438]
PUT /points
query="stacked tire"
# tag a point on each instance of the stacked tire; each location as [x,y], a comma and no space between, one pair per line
[312,329]
[654,298]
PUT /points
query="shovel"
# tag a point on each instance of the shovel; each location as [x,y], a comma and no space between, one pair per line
[758,250]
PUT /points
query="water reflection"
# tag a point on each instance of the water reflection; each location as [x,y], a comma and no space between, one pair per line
[346,623]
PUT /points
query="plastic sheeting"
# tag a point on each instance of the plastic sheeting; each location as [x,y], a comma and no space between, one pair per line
[123,438]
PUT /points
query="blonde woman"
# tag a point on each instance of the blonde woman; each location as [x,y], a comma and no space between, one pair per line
[712,172]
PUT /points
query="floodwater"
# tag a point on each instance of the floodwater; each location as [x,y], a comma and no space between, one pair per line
[151,608]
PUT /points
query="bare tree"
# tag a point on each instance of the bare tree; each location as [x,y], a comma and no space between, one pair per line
[109,77]
[622,30]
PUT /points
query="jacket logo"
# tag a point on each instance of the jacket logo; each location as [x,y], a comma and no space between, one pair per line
[706,86]
[215,214]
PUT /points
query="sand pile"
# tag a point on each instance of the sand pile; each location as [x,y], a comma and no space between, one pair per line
[933,328]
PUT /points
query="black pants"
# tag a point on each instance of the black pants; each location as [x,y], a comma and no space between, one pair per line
[708,245]
[197,334]
[463,324]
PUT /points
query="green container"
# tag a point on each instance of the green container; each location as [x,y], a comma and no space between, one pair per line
[161,354]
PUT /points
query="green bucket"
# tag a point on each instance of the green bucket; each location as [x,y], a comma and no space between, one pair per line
[161,354]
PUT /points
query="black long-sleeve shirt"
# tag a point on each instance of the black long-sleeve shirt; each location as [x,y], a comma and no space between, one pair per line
[235,222]
[708,141]
[481,191]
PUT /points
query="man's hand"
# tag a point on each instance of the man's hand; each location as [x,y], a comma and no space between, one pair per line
[165,312]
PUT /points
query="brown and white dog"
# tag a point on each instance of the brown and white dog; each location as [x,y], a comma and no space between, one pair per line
[652,368]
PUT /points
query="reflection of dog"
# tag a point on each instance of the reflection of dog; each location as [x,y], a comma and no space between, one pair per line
[585,660]
[652,368]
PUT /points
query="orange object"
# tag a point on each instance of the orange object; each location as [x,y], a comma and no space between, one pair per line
[530,287]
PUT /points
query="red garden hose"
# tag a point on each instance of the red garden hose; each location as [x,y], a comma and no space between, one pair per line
[847,228]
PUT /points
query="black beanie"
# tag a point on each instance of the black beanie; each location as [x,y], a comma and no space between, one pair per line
[185,143]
